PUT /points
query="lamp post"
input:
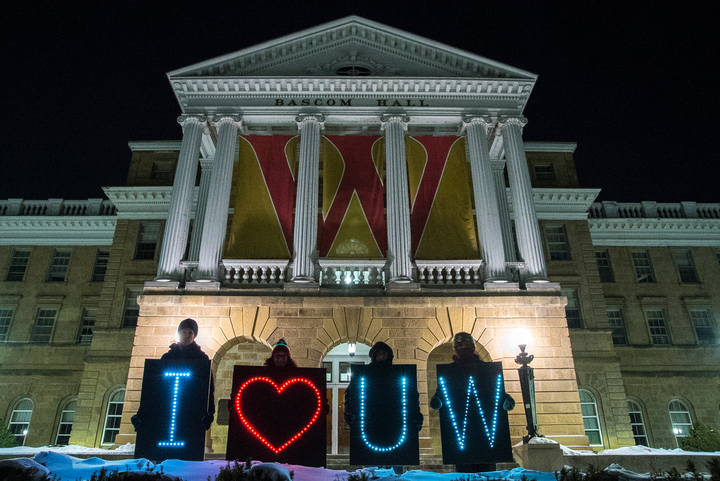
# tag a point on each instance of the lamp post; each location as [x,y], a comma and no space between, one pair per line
[527,385]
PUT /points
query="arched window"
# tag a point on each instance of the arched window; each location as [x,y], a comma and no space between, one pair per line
[591,420]
[66,423]
[113,416]
[680,419]
[638,424]
[20,420]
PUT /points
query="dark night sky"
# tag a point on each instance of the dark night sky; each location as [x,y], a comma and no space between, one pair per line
[632,83]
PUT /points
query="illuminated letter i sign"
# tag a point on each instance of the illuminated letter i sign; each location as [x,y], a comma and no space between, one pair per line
[174,410]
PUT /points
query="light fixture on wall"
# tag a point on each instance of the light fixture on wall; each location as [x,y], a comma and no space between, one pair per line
[351,349]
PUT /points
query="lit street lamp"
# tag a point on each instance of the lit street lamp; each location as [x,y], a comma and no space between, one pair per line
[527,385]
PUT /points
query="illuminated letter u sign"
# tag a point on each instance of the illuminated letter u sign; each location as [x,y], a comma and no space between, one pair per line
[403,435]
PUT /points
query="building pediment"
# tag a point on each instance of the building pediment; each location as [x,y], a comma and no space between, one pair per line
[352,46]
[352,66]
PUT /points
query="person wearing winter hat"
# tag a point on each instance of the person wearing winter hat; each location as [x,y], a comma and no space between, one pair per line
[280,356]
[186,349]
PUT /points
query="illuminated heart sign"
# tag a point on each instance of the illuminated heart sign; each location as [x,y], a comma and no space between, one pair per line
[279,390]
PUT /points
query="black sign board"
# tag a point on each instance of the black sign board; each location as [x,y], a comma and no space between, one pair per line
[173,401]
[278,415]
[385,404]
[473,424]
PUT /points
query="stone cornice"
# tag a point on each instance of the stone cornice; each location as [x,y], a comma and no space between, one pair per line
[561,204]
[143,202]
[171,145]
[655,232]
[550,146]
[57,230]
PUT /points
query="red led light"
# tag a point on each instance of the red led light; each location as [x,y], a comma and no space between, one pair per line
[279,390]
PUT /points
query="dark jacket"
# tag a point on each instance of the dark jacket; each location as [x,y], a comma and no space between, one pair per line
[469,365]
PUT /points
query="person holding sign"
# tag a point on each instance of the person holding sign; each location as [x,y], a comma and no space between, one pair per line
[186,349]
[383,411]
[473,410]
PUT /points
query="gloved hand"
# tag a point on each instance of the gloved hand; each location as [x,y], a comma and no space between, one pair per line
[207,420]
[436,402]
[509,403]
[136,422]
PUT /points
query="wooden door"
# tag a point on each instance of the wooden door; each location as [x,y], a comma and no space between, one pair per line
[343,428]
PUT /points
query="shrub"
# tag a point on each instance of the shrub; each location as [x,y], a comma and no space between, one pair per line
[7,439]
[701,438]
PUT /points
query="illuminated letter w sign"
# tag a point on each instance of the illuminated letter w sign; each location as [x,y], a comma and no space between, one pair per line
[473,424]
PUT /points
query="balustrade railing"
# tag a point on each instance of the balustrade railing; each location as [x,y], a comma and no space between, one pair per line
[653,210]
[57,207]
[352,272]
[450,273]
[254,272]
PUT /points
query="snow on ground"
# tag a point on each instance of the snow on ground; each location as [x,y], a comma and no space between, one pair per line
[58,460]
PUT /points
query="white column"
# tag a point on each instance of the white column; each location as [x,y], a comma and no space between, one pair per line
[486,204]
[498,168]
[216,212]
[206,165]
[306,202]
[398,198]
[526,223]
[178,220]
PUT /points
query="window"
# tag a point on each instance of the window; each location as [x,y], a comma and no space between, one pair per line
[44,324]
[717,256]
[604,267]
[59,266]
[557,243]
[643,267]
[147,240]
[591,420]
[637,423]
[572,310]
[617,323]
[66,423]
[658,327]
[6,314]
[544,172]
[162,172]
[345,371]
[113,416]
[100,267]
[702,322]
[18,265]
[328,371]
[132,309]
[20,420]
[686,267]
[87,325]
[680,419]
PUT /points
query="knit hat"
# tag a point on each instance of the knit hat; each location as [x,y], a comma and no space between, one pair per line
[381,346]
[188,324]
[281,346]
[463,339]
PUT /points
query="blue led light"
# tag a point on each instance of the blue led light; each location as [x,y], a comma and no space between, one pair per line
[403,435]
[490,429]
[173,417]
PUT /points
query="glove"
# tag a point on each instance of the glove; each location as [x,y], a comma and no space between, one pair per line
[207,420]
[509,403]
[136,422]
[436,402]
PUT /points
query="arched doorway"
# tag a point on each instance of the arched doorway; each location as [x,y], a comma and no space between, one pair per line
[442,355]
[337,364]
